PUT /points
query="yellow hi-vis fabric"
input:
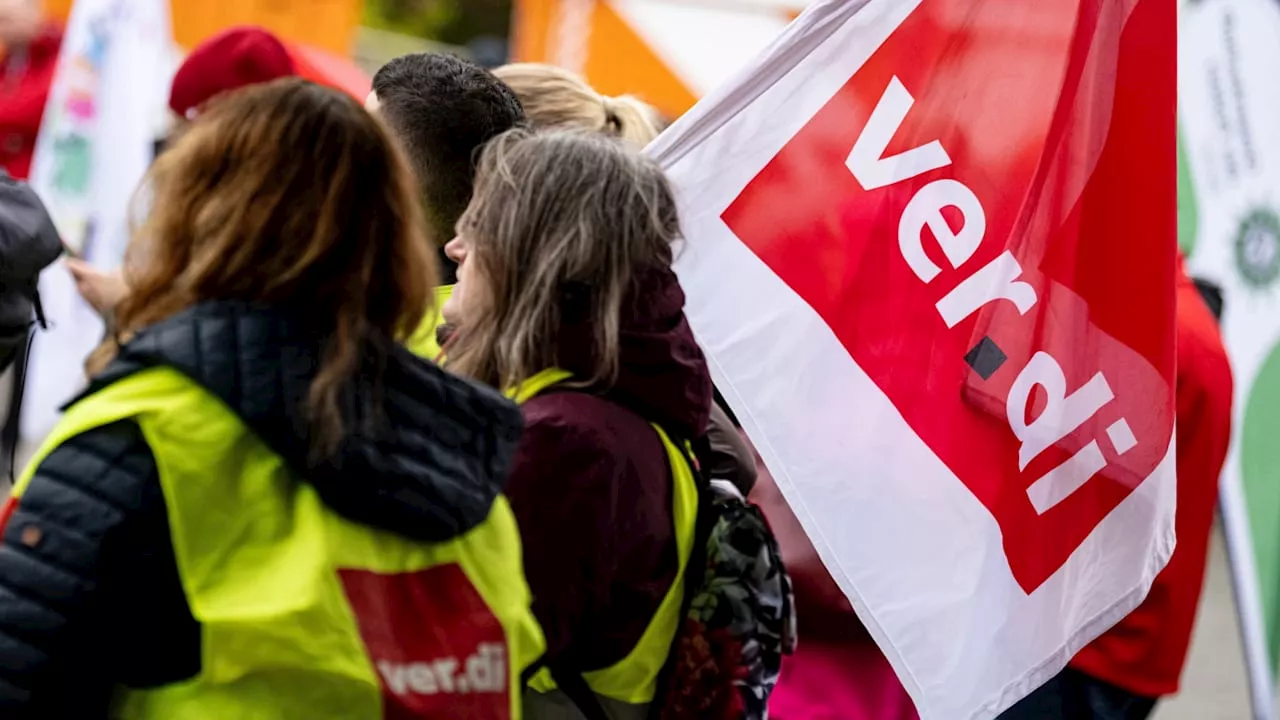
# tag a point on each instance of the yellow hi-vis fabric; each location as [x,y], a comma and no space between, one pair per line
[634,679]
[423,343]
[265,567]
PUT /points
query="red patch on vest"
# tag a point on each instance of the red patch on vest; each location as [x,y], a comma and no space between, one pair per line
[6,512]
[437,647]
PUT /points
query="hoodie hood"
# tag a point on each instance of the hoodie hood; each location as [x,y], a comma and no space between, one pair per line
[427,464]
[663,374]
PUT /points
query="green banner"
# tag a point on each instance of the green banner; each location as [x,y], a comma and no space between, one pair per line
[1188,213]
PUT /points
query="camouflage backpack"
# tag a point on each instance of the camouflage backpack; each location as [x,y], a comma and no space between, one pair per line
[739,615]
[738,619]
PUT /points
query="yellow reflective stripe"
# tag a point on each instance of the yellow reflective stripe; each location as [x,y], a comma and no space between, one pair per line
[530,388]
[142,389]
[634,679]
[423,341]
[542,681]
[258,554]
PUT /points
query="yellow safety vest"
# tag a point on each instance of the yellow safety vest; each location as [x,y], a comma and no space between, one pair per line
[423,342]
[633,681]
[304,614]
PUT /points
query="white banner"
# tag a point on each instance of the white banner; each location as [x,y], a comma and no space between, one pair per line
[106,109]
[1229,106]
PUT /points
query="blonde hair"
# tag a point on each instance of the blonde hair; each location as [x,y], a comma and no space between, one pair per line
[556,99]
[560,226]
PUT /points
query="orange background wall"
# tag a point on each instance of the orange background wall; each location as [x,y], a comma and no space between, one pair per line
[327,24]
[618,61]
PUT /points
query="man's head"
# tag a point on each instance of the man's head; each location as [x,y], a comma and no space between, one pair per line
[20,21]
[443,110]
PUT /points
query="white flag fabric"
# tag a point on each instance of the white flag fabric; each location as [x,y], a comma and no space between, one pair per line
[106,107]
[930,253]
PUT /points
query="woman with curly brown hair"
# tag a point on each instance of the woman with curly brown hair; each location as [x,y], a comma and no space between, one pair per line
[263,506]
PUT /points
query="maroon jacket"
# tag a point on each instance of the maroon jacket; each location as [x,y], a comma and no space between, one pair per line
[591,487]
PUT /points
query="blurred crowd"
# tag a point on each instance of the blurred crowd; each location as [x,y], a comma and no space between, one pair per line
[398,409]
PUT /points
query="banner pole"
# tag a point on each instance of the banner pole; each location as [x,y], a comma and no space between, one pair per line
[1247,595]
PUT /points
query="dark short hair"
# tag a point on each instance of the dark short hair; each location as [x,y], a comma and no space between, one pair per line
[444,109]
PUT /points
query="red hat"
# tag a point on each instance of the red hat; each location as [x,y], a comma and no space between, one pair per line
[227,61]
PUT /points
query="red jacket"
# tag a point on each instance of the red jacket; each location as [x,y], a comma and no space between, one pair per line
[591,484]
[1145,653]
[24,88]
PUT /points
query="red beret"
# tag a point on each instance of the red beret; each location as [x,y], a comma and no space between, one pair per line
[228,61]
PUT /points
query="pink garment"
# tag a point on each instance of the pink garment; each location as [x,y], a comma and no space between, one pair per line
[837,673]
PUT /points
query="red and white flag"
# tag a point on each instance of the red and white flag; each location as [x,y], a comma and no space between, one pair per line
[930,249]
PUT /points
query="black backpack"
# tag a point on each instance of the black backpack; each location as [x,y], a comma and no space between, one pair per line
[28,244]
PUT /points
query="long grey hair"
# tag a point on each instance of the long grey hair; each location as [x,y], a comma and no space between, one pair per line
[560,223]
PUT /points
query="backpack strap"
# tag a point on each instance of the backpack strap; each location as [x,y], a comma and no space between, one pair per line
[694,572]
[573,685]
[11,423]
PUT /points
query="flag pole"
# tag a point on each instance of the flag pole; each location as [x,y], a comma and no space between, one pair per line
[1247,596]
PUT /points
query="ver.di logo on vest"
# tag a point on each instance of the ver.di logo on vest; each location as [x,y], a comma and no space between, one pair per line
[437,648]
[484,671]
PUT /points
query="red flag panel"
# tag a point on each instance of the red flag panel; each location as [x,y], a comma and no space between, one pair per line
[984,215]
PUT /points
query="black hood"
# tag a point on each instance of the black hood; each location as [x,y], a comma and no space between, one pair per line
[427,465]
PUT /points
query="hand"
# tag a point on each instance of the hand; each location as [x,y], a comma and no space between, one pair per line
[101,289]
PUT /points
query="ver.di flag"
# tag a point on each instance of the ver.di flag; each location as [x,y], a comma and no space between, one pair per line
[930,249]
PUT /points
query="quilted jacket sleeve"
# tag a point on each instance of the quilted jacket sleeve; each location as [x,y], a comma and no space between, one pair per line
[86,579]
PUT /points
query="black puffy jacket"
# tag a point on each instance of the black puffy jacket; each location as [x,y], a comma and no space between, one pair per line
[28,244]
[90,598]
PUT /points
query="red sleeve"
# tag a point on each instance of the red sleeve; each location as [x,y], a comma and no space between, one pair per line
[6,512]
[560,489]
[1204,393]
[23,107]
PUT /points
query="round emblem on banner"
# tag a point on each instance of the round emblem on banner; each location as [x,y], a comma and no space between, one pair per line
[1258,248]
